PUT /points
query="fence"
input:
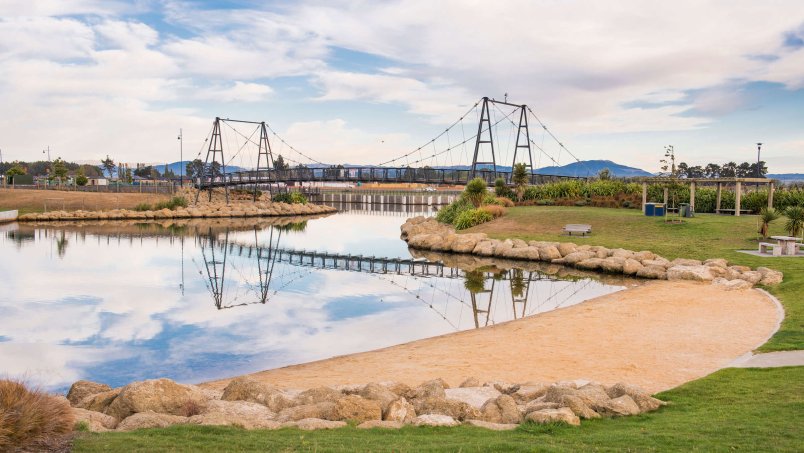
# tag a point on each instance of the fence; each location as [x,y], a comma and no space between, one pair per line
[111,188]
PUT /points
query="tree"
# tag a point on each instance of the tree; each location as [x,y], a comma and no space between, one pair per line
[604,174]
[16,169]
[763,170]
[81,179]
[195,169]
[767,215]
[728,170]
[279,163]
[143,171]
[744,170]
[168,173]
[108,165]
[129,179]
[795,220]
[59,170]
[520,179]
[500,188]
[682,171]
[712,170]
[695,172]
[475,191]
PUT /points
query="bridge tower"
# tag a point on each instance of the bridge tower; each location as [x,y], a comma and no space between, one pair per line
[210,171]
[264,150]
[485,122]
[523,140]
[485,136]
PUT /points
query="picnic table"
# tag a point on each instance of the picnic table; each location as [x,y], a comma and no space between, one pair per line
[789,244]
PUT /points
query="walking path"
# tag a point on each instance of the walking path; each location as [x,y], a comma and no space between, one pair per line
[770,360]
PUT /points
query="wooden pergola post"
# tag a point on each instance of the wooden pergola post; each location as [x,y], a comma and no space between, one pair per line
[738,193]
[644,195]
[770,194]
[666,196]
[717,197]
[692,195]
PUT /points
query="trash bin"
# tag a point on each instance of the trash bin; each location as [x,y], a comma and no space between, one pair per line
[684,209]
[659,210]
[650,209]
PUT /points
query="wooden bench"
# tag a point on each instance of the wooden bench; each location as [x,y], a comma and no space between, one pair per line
[776,249]
[731,211]
[578,228]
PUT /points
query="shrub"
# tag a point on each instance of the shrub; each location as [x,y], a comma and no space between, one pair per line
[448,213]
[494,209]
[298,198]
[767,216]
[470,218]
[475,191]
[545,202]
[501,189]
[504,202]
[143,207]
[795,220]
[191,408]
[32,420]
[282,197]
[626,204]
[81,180]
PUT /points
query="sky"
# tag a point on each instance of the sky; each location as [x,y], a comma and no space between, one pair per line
[365,81]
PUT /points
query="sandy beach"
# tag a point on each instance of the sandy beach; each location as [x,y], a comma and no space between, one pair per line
[658,335]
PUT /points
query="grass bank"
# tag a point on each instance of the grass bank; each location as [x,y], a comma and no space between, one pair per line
[704,236]
[33,201]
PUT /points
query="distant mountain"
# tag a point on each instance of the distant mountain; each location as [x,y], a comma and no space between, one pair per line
[787,177]
[592,168]
[177,167]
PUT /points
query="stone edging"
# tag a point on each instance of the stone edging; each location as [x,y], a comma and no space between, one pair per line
[428,234]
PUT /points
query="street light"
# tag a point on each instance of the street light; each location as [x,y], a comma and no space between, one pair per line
[181,159]
[759,148]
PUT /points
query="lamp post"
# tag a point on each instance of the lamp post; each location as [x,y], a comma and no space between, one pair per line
[181,159]
[759,148]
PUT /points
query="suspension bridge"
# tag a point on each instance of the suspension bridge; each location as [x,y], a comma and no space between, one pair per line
[499,135]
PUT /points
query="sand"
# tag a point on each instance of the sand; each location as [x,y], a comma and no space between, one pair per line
[657,335]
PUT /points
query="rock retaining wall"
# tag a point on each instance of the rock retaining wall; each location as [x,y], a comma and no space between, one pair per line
[428,234]
[390,405]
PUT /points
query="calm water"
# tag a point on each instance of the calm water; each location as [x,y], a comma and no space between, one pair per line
[197,301]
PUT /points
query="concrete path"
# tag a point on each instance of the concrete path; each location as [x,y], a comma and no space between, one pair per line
[771,359]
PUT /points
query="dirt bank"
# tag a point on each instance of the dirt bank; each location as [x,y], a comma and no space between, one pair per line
[35,200]
[658,335]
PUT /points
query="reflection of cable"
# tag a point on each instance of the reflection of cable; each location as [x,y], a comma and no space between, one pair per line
[379,276]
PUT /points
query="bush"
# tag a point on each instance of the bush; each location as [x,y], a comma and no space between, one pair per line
[494,209]
[171,204]
[504,202]
[545,202]
[282,197]
[470,218]
[501,189]
[449,213]
[795,220]
[81,180]
[32,420]
[298,198]
[143,207]
[475,191]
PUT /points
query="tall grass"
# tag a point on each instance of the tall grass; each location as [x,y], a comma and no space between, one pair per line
[32,420]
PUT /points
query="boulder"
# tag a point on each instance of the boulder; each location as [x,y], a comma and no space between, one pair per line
[519,243]
[694,272]
[537,405]
[473,396]
[357,408]
[318,395]
[652,271]
[430,389]
[454,408]
[685,262]
[435,420]
[312,424]
[398,388]
[426,241]
[246,414]
[752,277]
[613,264]
[493,426]
[504,387]
[740,269]
[502,409]
[324,410]
[150,419]
[590,264]
[246,389]
[555,392]
[593,395]
[644,255]
[95,421]
[470,382]
[485,247]
[716,262]
[158,395]
[732,285]
[549,253]
[83,389]
[631,266]
[100,401]
[643,399]
[562,414]
[621,253]
[529,392]
[578,256]
[400,410]
[578,407]
[383,424]
[620,406]
[658,261]
[770,276]
[379,393]
[565,248]
[466,243]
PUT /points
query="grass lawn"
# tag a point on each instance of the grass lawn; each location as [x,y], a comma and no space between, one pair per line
[732,409]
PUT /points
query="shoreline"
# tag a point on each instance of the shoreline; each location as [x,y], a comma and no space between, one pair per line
[622,336]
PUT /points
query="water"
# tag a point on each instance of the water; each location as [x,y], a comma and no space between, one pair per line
[197,301]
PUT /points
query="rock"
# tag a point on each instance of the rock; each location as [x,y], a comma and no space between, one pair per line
[549,253]
[246,389]
[526,393]
[318,395]
[430,389]
[770,276]
[473,396]
[576,257]
[95,421]
[83,389]
[621,253]
[435,420]
[384,424]
[400,410]
[466,243]
[578,407]
[454,408]
[631,266]
[398,388]
[716,262]
[485,248]
[643,399]
[685,262]
[696,272]
[740,269]
[652,271]
[613,264]
[379,393]
[158,395]
[539,405]
[502,409]
[324,410]
[590,264]
[565,248]
[246,414]
[470,382]
[504,387]
[354,407]
[732,285]
[563,414]
[519,243]
[658,261]
[644,255]
[493,426]
[555,392]
[620,406]
[312,424]
[752,277]
[593,395]
[150,419]
[100,401]
[426,241]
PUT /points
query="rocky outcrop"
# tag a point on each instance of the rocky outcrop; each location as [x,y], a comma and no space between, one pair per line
[357,408]
[161,396]
[560,415]
[94,421]
[245,414]
[83,389]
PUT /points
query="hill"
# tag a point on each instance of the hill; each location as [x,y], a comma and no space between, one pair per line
[592,168]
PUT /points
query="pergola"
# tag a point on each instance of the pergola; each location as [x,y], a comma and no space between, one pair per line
[720,182]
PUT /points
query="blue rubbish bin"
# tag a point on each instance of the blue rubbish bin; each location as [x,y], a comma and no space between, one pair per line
[659,210]
[650,209]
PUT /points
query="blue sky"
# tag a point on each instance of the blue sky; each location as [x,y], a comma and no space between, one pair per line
[362,82]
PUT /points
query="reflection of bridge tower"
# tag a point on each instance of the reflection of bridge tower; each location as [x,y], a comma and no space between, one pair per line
[266,259]
[482,297]
[520,290]
[216,266]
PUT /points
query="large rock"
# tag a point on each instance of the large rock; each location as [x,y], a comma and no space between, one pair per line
[470,382]
[357,408]
[246,389]
[100,401]
[549,253]
[620,406]
[80,390]
[578,256]
[493,426]
[474,396]
[685,262]
[562,414]
[95,421]
[502,409]
[382,424]
[150,419]
[326,410]
[593,395]
[246,414]
[717,262]
[426,241]
[435,420]
[578,406]
[565,248]
[485,247]
[318,395]
[455,409]
[752,277]
[379,393]
[466,243]
[732,285]
[643,399]
[529,392]
[537,405]
[631,266]
[158,395]
[770,276]
[613,264]
[430,389]
[696,272]
[400,410]
[590,264]
[312,424]
[652,271]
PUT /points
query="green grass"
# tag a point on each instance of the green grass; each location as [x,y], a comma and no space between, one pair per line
[701,237]
[733,409]
[24,210]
